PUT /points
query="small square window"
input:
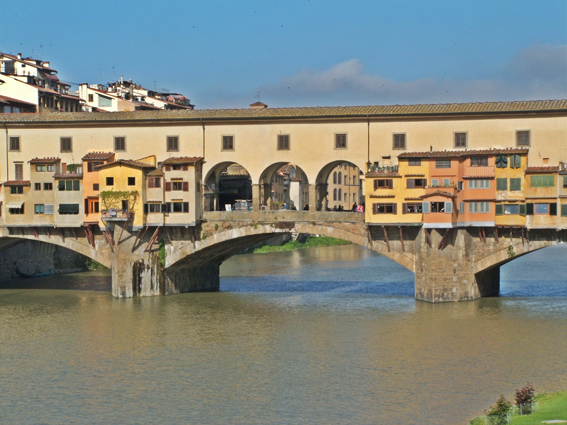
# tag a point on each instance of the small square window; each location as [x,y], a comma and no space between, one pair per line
[131,181]
[66,144]
[523,138]
[47,186]
[120,143]
[172,143]
[340,141]
[37,186]
[283,142]
[227,143]
[15,143]
[399,141]
[460,140]
[95,186]
[91,98]
[443,163]
[414,162]
[110,181]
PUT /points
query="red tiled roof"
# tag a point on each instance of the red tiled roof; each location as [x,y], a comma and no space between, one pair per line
[127,162]
[182,160]
[93,156]
[464,153]
[439,193]
[68,176]
[17,183]
[544,169]
[51,160]
[156,172]
[6,99]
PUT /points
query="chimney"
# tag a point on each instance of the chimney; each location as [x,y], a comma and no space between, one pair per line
[19,55]
[258,105]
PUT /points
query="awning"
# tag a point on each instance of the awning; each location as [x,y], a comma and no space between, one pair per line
[17,205]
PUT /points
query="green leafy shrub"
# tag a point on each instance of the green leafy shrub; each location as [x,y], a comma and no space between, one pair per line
[498,414]
[524,399]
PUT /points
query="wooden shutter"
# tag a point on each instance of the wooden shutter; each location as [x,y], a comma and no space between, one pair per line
[553,208]
[390,183]
[168,186]
[375,184]
[501,184]
[410,183]
[426,207]
[522,209]
[374,208]
[185,207]
[404,208]
[168,168]
[395,208]
[185,168]
[499,209]
[563,210]
[515,184]
[185,186]
[530,209]
[449,207]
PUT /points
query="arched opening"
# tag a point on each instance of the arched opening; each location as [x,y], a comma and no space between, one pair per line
[227,186]
[284,185]
[340,185]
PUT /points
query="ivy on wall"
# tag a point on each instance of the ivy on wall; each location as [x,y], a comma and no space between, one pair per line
[113,199]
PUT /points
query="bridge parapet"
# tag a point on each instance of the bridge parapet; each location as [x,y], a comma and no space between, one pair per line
[273,216]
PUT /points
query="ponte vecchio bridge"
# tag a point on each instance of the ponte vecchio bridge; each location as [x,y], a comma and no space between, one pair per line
[182,252]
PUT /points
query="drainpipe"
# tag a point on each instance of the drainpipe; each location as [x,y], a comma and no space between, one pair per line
[368,137]
[7,150]
[203,125]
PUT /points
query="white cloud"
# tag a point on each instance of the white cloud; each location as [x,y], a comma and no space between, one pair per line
[537,72]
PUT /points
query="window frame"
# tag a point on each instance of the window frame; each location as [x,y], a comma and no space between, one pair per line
[17,141]
[172,143]
[399,141]
[458,143]
[283,142]
[227,143]
[122,140]
[521,134]
[63,144]
[479,161]
[443,163]
[339,143]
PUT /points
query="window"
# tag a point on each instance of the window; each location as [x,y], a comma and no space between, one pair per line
[40,168]
[92,166]
[446,182]
[563,210]
[47,186]
[501,161]
[131,181]
[19,171]
[227,143]
[340,178]
[515,184]
[416,183]
[437,207]
[335,177]
[95,186]
[523,138]
[411,208]
[152,208]
[177,207]
[434,182]
[154,181]
[461,207]
[16,190]
[172,143]
[176,185]
[15,143]
[38,209]
[334,194]
[542,208]
[443,163]
[110,181]
[340,195]
[68,209]
[542,181]
[399,141]
[354,180]
[414,162]
[69,185]
[17,211]
[383,184]
[515,161]
[340,141]
[501,184]
[460,140]
[37,186]
[120,143]
[346,197]
[91,97]
[479,161]
[51,168]
[511,209]
[384,208]
[283,142]
[479,207]
[479,184]
[66,144]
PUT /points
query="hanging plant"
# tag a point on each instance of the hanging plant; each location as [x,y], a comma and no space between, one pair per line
[113,199]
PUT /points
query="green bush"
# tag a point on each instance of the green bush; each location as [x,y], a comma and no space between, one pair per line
[498,414]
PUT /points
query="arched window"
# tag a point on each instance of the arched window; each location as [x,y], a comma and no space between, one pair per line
[340,178]
[340,194]
[354,180]
[335,195]
[335,177]
[346,197]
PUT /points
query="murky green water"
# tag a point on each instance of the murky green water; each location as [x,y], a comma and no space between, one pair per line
[323,336]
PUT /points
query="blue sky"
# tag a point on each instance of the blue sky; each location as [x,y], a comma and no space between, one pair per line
[221,54]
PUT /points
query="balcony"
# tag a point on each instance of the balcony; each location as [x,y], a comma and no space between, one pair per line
[116,215]
[450,190]
[479,172]
[386,169]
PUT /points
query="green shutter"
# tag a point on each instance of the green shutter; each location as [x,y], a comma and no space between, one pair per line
[499,209]
[563,210]
[530,209]
[542,181]
[564,181]
[61,185]
[68,185]
[76,185]
[502,184]
[515,161]
[553,208]
[523,209]
[515,184]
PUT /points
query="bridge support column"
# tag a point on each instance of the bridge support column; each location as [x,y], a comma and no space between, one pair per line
[256,201]
[204,278]
[444,271]
[313,197]
[135,273]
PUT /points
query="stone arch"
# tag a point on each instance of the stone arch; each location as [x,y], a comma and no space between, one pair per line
[215,192]
[227,242]
[297,185]
[330,177]
[80,245]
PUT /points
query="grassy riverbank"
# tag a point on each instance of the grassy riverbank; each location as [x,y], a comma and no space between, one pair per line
[310,242]
[549,407]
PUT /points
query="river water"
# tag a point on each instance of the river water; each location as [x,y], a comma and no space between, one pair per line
[319,336]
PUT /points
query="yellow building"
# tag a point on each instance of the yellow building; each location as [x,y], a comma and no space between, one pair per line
[122,194]
[541,187]
[510,166]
